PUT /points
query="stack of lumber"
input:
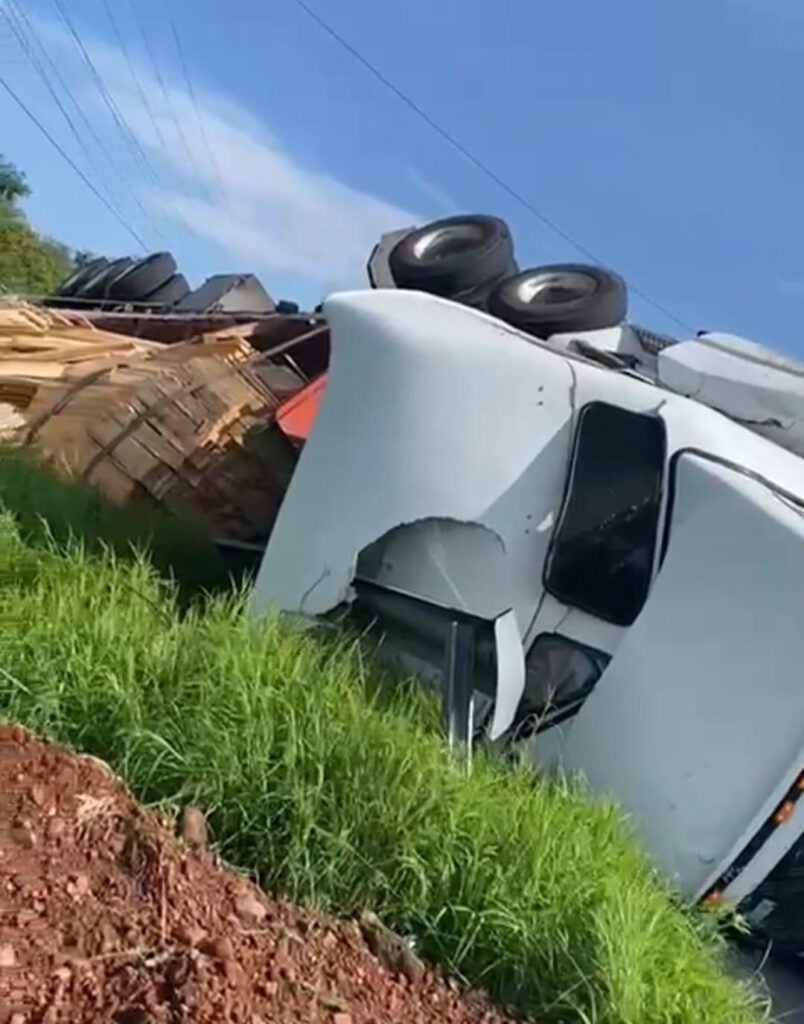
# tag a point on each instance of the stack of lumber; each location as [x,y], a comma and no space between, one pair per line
[189,426]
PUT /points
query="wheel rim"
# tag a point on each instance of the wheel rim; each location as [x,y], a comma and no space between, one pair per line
[554,288]
[441,242]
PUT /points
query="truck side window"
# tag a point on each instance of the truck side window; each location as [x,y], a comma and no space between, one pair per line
[602,554]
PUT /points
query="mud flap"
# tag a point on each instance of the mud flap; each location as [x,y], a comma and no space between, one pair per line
[510,673]
[459,670]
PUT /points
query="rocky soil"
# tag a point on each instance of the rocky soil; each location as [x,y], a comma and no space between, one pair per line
[107,916]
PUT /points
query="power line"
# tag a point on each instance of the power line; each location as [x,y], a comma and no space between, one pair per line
[191,91]
[127,134]
[18,28]
[157,72]
[23,17]
[121,42]
[66,156]
[125,130]
[471,157]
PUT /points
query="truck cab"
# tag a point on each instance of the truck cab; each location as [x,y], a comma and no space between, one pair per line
[623,563]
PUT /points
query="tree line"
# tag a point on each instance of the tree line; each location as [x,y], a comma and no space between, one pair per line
[30,263]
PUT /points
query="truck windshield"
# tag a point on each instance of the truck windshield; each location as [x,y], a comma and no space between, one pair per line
[775,909]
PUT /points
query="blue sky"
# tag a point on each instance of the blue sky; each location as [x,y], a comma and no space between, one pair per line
[665,137]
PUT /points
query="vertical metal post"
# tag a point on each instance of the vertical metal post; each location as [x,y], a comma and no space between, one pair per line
[459,664]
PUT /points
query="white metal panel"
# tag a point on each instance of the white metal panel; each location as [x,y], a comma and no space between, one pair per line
[750,351]
[691,425]
[701,711]
[431,410]
[442,560]
[775,846]
[436,410]
[742,380]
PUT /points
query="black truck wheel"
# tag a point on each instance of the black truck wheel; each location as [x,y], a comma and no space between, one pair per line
[80,277]
[453,256]
[171,292]
[561,297]
[143,278]
[96,287]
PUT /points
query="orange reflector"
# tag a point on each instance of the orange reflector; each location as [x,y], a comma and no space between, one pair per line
[784,812]
[800,783]
[715,896]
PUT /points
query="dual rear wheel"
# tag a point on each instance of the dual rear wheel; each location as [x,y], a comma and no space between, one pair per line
[470,259]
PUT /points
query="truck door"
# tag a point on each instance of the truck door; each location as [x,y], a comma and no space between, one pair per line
[697,724]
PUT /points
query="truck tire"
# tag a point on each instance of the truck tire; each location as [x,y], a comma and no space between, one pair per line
[80,277]
[143,278]
[96,286]
[93,288]
[453,256]
[171,292]
[559,298]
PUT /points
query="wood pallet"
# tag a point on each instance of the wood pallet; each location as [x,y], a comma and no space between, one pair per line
[189,426]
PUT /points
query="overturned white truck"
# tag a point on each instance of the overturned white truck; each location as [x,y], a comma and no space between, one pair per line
[611,555]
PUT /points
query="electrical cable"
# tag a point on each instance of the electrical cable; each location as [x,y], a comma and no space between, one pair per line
[66,156]
[121,42]
[476,161]
[125,130]
[191,91]
[160,79]
[14,18]
[128,135]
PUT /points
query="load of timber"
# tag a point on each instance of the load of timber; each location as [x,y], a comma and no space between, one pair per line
[188,426]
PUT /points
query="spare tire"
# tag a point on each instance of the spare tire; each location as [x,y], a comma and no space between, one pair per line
[79,277]
[143,278]
[559,298]
[454,255]
[171,292]
[96,286]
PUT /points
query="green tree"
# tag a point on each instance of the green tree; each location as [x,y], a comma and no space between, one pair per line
[13,185]
[29,262]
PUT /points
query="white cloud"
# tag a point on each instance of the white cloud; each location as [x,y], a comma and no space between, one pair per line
[253,197]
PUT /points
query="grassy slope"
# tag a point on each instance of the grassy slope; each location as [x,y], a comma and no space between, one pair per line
[45,510]
[527,888]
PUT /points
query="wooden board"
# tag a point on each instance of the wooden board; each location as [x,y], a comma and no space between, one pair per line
[191,425]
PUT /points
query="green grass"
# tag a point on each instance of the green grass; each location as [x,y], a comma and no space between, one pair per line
[527,888]
[47,510]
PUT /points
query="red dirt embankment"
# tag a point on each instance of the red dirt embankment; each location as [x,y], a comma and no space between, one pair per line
[106,917]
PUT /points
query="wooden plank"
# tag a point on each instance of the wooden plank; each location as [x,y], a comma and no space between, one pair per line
[136,460]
